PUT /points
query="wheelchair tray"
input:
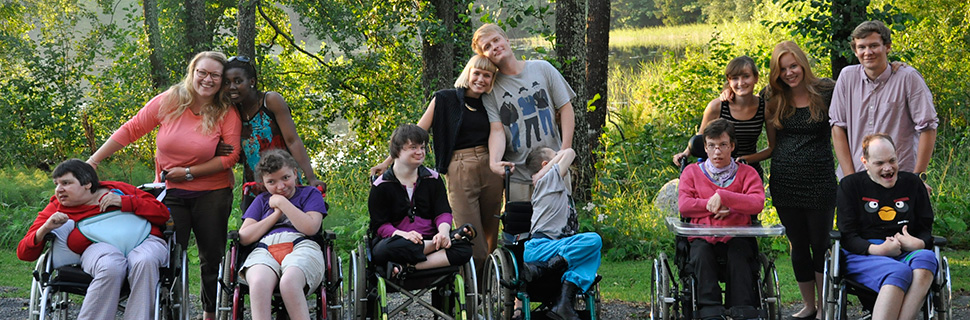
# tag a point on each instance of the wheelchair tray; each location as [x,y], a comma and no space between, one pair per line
[675,225]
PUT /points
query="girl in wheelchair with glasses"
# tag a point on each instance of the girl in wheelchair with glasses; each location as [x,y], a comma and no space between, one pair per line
[281,220]
[409,212]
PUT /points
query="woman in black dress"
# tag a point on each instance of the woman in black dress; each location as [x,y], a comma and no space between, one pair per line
[802,180]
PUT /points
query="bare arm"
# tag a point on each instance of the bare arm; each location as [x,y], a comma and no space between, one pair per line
[840,141]
[106,150]
[927,141]
[277,105]
[496,148]
[564,158]
[711,113]
[567,120]
[766,152]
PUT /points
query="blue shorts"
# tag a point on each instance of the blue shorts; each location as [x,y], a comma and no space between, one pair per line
[877,271]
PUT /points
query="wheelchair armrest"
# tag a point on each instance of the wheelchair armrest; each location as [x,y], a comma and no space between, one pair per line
[939,241]
[234,235]
[835,235]
[329,235]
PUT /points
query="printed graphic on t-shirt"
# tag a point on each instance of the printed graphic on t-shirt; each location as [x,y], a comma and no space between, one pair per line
[887,211]
[527,114]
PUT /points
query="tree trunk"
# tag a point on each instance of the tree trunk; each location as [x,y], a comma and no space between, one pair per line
[437,49]
[597,67]
[197,34]
[154,43]
[571,54]
[246,28]
[846,15]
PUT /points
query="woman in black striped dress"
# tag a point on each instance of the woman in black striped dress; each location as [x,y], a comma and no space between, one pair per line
[745,110]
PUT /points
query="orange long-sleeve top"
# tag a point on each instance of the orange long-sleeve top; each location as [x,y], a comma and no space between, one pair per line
[179,143]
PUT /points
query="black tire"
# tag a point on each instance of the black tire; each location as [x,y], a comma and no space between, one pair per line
[333,288]
[225,285]
[770,288]
[661,291]
[470,298]
[943,303]
[357,290]
[830,295]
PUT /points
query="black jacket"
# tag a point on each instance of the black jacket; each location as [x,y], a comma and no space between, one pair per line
[388,200]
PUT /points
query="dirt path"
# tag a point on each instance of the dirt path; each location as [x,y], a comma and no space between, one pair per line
[16,308]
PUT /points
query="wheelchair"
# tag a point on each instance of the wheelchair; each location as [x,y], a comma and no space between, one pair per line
[675,298]
[453,288]
[502,281]
[836,287]
[327,299]
[231,292]
[51,286]
[670,299]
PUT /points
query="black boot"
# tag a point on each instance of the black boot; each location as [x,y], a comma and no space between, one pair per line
[535,270]
[563,310]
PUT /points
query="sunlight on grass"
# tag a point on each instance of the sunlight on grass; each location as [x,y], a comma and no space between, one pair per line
[670,37]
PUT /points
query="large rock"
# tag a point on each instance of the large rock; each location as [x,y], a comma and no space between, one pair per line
[666,200]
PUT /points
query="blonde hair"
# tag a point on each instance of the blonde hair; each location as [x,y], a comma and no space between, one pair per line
[485,30]
[183,94]
[478,62]
[780,104]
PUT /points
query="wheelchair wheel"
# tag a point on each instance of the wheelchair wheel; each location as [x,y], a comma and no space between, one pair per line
[181,292]
[770,288]
[331,286]
[941,300]
[830,294]
[54,305]
[660,293]
[470,297]
[36,289]
[590,306]
[498,299]
[225,285]
[357,289]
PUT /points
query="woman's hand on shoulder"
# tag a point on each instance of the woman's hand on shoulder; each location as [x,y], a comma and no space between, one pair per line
[109,199]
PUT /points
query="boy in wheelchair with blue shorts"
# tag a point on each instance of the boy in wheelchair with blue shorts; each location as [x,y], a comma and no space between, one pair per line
[722,192]
[886,222]
[555,244]
[281,220]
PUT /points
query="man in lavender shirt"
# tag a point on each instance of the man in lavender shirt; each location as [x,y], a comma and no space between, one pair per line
[870,97]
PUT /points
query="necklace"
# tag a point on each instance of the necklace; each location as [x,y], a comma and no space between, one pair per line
[470,108]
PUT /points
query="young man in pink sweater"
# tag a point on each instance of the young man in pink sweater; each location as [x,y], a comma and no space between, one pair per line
[722,192]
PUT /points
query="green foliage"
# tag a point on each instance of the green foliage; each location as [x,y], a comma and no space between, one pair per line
[633,14]
[677,12]
[820,24]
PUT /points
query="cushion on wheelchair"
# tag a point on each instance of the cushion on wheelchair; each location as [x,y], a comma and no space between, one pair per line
[124,230]
[70,278]
[517,218]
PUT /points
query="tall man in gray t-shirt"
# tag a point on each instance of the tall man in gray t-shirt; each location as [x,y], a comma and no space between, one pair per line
[524,88]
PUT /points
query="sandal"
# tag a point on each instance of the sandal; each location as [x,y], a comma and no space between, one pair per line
[465,232]
[401,271]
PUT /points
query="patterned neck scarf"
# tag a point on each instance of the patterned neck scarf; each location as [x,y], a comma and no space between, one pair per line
[722,177]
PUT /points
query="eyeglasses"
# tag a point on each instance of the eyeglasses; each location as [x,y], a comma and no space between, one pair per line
[202,74]
[243,59]
[721,146]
